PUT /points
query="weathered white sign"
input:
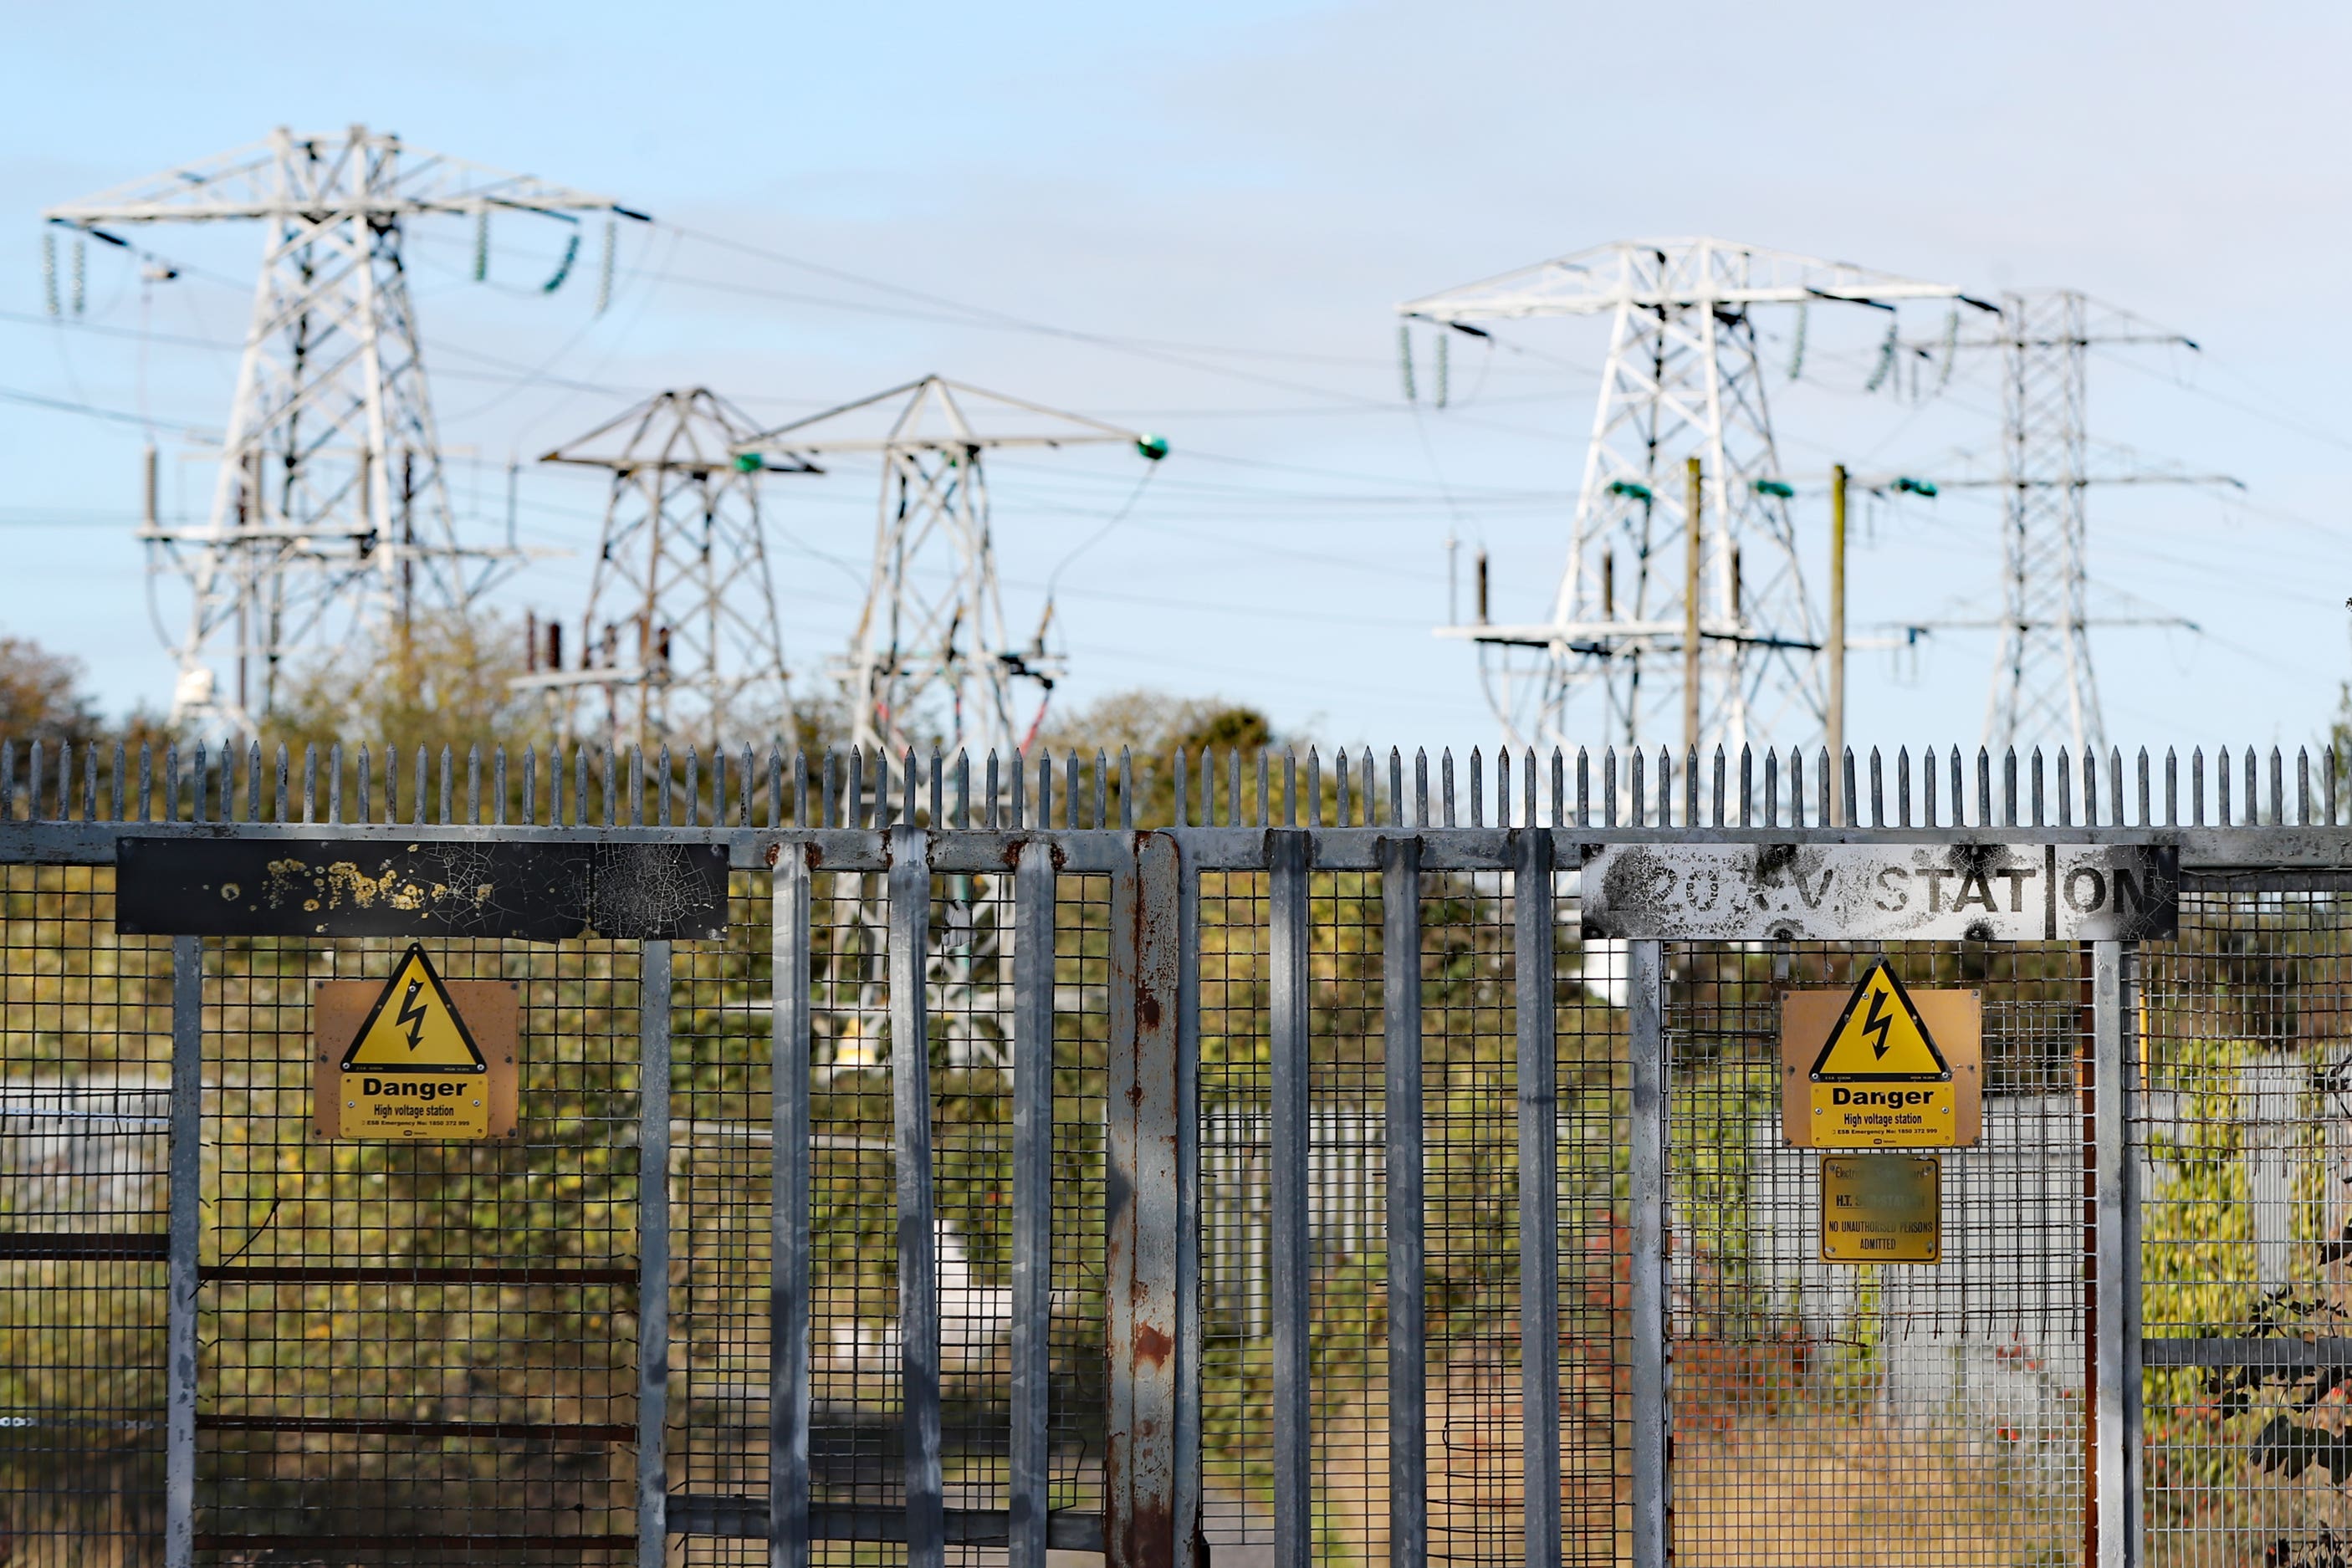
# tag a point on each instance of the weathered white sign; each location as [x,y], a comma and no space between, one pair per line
[1904,893]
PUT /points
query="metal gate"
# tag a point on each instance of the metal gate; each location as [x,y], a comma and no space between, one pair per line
[1255,1093]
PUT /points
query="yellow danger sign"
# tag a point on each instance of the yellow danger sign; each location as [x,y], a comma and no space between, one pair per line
[1879,1068]
[406,1061]
[413,1026]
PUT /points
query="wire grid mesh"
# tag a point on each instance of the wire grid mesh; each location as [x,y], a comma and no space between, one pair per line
[856,1448]
[2244,1130]
[722,1141]
[1470,1218]
[1835,1413]
[414,1344]
[85,1055]
[1475,1458]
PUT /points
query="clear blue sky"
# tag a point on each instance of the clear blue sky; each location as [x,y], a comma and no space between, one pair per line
[1238,195]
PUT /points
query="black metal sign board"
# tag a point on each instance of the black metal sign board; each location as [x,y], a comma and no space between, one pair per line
[1896,893]
[419,887]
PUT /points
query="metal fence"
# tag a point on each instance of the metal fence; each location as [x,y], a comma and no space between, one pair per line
[1307,1161]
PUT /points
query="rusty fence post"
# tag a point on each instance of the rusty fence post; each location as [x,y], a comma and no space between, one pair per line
[1291,916]
[184,1233]
[1538,1115]
[1651,1479]
[2115,1376]
[788,1294]
[1139,1451]
[910,903]
[1029,1457]
[1408,1366]
[653,1253]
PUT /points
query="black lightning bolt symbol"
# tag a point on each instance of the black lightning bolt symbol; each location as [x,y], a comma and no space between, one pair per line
[413,1014]
[1872,1025]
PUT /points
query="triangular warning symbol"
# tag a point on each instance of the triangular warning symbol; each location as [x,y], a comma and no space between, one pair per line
[1879,1036]
[414,1026]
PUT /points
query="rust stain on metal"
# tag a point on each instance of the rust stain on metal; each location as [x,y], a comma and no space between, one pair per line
[1152,1345]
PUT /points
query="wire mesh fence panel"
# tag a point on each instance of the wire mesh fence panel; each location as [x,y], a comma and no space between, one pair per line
[722,1145]
[2244,1131]
[1470,1082]
[1927,1413]
[1078,1367]
[855,1456]
[418,1346]
[84,1049]
[1236,1374]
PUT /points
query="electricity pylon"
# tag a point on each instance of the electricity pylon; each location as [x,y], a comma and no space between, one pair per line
[2043,684]
[330,513]
[932,661]
[1683,381]
[680,635]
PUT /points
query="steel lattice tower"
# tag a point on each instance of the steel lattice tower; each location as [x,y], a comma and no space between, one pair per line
[2042,686]
[680,632]
[1682,380]
[932,661]
[331,512]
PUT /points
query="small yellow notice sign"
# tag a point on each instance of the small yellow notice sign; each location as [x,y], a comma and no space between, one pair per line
[1881,1067]
[1882,1208]
[418,1059]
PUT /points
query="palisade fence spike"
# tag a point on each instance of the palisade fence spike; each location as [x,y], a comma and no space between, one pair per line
[33,769]
[121,763]
[1719,793]
[776,786]
[1559,788]
[1446,787]
[2221,786]
[1771,786]
[962,803]
[2278,789]
[1927,788]
[8,781]
[1636,786]
[1368,788]
[1502,787]
[2065,788]
[2009,795]
[1072,780]
[2302,787]
[419,784]
[1314,788]
[2089,787]
[1530,794]
[390,793]
[1180,776]
[1341,803]
[2197,786]
[1583,787]
[2251,813]
[1128,796]
[1903,786]
[146,807]
[693,787]
[1044,787]
[89,782]
[1264,808]
[1747,785]
[1665,788]
[853,790]
[1020,796]
[199,772]
[1796,786]
[913,788]
[2144,792]
[171,782]
[1608,788]
[988,777]
[1396,786]
[2328,781]
[1478,787]
[1102,791]
[2116,785]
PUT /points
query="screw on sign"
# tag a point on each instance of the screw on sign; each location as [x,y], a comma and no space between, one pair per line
[1881,1067]
[418,1059]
